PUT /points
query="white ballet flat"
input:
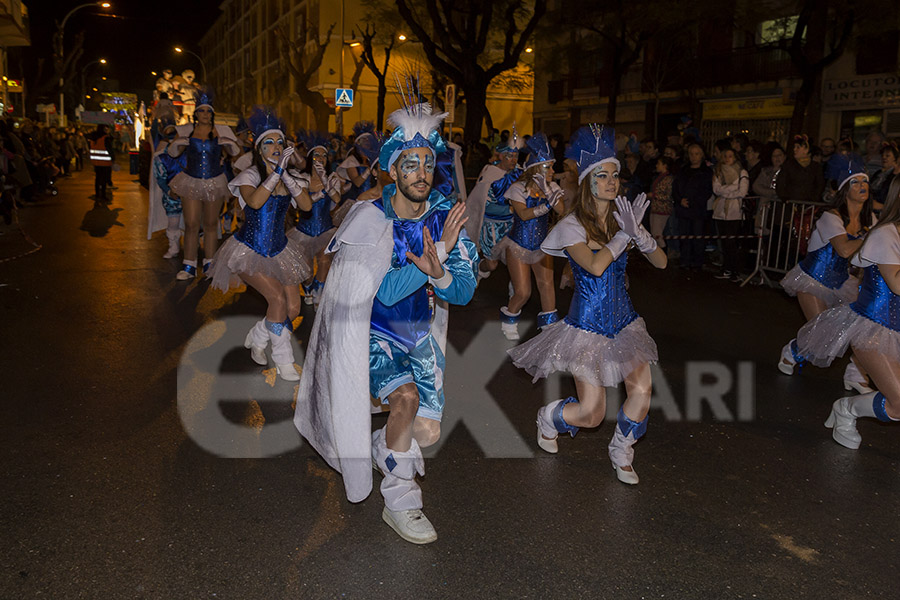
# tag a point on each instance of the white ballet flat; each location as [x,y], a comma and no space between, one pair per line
[629,477]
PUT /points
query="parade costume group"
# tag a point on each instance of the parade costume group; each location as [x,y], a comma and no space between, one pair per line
[383,242]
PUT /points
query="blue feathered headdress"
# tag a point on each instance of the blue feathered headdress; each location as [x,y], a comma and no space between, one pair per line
[264,121]
[362,127]
[414,127]
[204,98]
[591,146]
[241,126]
[843,167]
[539,150]
[312,140]
[158,128]
[369,145]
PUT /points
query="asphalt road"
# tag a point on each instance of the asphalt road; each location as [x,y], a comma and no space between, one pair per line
[115,483]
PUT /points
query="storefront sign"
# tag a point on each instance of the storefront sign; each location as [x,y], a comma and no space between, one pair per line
[859,93]
[756,108]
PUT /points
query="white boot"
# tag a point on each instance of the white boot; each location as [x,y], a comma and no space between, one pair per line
[509,324]
[550,424]
[402,495]
[621,447]
[845,411]
[787,362]
[855,380]
[174,243]
[256,341]
[282,353]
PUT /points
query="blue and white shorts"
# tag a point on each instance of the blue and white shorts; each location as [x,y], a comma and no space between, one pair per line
[391,365]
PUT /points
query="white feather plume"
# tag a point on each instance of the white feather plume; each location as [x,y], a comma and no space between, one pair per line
[416,119]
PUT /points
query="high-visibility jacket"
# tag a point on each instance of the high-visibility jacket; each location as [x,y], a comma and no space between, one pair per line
[100,156]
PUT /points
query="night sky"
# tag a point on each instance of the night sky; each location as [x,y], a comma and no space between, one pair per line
[139,40]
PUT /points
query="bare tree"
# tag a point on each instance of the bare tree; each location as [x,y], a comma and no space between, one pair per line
[380,73]
[459,39]
[303,67]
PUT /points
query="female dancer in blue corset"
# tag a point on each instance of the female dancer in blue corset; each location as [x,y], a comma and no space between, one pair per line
[822,279]
[532,198]
[602,341]
[315,227]
[202,185]
[260,254]
[871,327]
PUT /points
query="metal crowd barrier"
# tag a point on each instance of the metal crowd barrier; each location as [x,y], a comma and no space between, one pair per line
[783,230]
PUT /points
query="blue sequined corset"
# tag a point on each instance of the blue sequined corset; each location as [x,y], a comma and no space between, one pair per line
[204,158]
[826,266]
[876,300]
[263,228]
[601,304]
[318,220]
[497,206]
[531,233]
[409,320]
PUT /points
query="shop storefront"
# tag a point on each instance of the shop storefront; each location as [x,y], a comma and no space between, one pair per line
[857,105]
[765,119]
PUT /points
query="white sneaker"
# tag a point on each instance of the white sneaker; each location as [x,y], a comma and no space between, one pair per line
[412,525]
[286,372]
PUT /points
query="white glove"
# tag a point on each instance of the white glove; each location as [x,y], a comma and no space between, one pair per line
[541,183]
[644,241]
[319,168]
[541,209]
[555,196]
[618,244]
[294,186]
[285,157]
[624,216]
[271,181]
[333,185]
[639,206]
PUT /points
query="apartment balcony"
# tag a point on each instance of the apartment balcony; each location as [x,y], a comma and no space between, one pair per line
[14,29]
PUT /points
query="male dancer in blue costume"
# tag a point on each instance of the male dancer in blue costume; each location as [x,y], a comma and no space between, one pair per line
[376,333]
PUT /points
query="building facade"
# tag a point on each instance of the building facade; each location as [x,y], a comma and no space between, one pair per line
[245,65]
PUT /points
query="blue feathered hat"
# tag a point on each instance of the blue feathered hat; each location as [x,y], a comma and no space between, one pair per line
[241,126]
[264,121]
[369,145]
[159,127]
[204,98]
[360,128]
[312,140]
[843,167]
[591,146]
[539,150]
[414,127]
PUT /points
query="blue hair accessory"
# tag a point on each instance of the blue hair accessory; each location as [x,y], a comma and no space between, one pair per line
[591,146]
[844,167]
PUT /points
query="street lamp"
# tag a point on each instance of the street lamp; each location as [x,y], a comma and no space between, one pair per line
[102,61]
[61,51]
[179,49]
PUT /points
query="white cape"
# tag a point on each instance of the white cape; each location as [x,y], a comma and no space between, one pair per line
[478,201]
[334,409]
[156,216]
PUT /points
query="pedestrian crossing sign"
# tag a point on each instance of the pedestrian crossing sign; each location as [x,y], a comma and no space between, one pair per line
[343,97]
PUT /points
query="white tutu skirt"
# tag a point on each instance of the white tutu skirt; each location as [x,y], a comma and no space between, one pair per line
[205,190]
[830,334]
[591,357]
[235,258]
[506,247]
[310,246]
[797,280]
